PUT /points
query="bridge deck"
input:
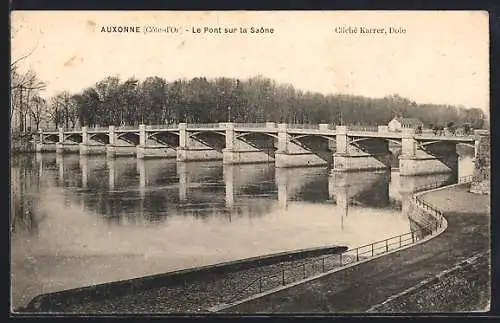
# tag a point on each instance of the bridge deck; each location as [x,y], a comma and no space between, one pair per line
[295,130]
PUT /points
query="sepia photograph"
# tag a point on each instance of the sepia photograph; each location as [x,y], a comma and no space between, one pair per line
[249,162]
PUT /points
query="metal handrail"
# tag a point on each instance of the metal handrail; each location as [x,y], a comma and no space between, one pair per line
[250,125]
[302,126]
[97,128]
[372,249]
[363,128]
[354,128]
[165,126]
[126,127]
[203,125]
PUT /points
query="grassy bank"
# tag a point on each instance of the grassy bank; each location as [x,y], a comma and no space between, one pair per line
[465,288]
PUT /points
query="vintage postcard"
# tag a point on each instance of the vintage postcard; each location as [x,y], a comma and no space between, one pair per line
[196,162]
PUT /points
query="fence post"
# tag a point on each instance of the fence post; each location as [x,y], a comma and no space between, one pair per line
[260,284]
[400,243]
[323,264]
[283,277]
[386,245]
[372,249]
[357,254]
[304,269]
[412,238]
[340,255]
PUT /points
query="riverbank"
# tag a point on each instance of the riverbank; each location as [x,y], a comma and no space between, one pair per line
[463,286]
[22,143]
[360,288]
[184,291]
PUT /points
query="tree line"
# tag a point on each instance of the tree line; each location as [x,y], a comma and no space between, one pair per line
[113,101]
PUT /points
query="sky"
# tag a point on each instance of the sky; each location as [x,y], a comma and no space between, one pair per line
[441,57]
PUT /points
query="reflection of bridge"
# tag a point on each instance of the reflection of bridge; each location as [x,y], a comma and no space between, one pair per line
[159,187]
[347,148]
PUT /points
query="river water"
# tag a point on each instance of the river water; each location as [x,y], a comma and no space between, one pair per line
[80,220]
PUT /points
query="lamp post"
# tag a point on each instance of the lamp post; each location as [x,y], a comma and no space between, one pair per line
[229,114]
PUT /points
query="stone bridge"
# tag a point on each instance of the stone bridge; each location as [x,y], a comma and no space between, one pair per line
[346,148]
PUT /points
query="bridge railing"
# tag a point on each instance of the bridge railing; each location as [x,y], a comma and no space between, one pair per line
[203,125]
[97,128]
[165,126]
[308,268]
[303,126]
[126,127]
[52,129]
[250,125]
[362,128]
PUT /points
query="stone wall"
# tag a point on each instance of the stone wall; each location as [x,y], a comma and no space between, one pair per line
[482,164]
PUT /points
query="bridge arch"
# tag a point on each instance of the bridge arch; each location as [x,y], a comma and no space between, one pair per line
[169,139]
[244,134]
[313,135]
[397,142]
[76,137]
[100,137]
[194,134]
[130,137]
[428,143]
[153,134]
[51,138]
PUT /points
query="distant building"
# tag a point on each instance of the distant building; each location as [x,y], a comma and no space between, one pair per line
[398,123]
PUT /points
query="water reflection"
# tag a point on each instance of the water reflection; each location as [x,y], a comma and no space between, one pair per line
[79,220]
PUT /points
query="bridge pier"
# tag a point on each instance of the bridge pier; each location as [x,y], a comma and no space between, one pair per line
[65,147]
[481,182]
[184,181]
[414,160]
[84,167]
[114,149]
[155,152]
[146,149]
[290,154]
[237,151]
[42,146]
[338,190]
[62,148]
[111,166]
[192,150]
[86,148]
[348,157]
[229,177]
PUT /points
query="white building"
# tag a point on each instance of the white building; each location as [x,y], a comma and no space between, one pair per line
[397,124]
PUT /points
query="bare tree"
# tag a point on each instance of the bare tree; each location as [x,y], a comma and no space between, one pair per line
[23,86]
[37,110]
[64,110]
